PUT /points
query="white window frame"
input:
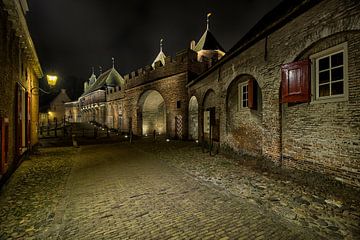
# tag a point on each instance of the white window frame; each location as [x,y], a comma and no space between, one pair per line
[315,74]
[240,95]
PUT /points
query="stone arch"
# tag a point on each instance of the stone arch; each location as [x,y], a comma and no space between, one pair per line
[209,116]
[151,113]
[193,118]
[320,35]
[243,129]
[209,98]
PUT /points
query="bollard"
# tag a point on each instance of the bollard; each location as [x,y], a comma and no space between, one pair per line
[75,144]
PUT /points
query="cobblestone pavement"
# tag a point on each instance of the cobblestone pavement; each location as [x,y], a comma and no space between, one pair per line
[329,210]
[119,191]
[28,200]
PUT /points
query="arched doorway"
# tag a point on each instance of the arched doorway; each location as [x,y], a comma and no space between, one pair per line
[193,118]
[153,113]
[210,117]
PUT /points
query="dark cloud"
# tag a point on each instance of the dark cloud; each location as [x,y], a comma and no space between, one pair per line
[73,35]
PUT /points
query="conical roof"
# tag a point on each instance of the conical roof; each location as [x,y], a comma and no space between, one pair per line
[208,42]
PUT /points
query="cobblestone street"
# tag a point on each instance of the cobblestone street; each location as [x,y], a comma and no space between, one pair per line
[160,191]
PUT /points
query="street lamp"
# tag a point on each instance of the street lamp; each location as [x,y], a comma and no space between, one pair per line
[51,80]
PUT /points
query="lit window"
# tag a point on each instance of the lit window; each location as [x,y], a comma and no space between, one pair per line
[330,72]
[243,95]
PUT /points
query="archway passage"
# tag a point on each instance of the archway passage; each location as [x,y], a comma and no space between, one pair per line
[153,113]
[193,118]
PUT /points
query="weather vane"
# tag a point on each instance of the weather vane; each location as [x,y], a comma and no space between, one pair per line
[161,44]
[208,21]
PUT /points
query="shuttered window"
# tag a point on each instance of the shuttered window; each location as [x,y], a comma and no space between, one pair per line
[295,82]
[252,95]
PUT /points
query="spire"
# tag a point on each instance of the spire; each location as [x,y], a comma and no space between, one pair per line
[113,62]
[100,69]
[92,78]
[161,56]
[161,45]
[208,21]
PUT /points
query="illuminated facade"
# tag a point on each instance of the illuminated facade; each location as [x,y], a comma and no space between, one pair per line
[287,92]
[20,71]
[153,98]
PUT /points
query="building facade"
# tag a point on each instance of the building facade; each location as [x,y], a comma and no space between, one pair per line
[287,92]
[153,98]
[19,102]
[55,110]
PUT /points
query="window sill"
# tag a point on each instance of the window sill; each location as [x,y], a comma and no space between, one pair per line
[329,100]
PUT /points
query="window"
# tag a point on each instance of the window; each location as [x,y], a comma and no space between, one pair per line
[178,104]
[330,74]
[243,95]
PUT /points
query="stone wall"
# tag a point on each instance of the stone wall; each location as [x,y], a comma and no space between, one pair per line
[172,89]
[322,137]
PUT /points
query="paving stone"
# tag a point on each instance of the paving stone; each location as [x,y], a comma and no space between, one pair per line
[146,191]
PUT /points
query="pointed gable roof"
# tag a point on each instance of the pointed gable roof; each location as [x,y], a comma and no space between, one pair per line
[160,57]
[208,42]
[109,78]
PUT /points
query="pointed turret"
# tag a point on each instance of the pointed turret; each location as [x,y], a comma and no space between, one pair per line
[92,78]
[161,56]
[208,47]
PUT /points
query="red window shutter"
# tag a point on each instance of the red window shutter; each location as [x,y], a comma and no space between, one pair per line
[295,82]
[252,94]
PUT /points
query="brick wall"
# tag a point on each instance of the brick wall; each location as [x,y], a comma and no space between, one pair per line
[313,137]
[172,89]
[17,69]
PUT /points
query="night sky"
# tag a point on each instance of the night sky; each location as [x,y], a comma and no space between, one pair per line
[71,36]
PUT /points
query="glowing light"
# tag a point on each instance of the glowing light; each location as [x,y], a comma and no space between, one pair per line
[126,136]
[167,140]
[197,141]
[51,79]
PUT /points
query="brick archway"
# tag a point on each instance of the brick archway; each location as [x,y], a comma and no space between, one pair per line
[151,113]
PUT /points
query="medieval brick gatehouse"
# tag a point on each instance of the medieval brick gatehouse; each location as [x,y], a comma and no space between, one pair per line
[288,91]
[20,71]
